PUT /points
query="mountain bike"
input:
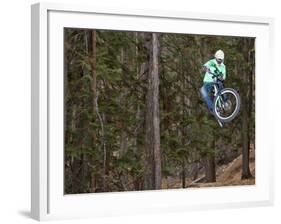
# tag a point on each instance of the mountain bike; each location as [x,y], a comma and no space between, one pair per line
[226,101]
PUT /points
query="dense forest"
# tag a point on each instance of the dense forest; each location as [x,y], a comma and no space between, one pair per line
[134,117]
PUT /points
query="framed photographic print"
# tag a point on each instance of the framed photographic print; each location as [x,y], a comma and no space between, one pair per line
[137,111]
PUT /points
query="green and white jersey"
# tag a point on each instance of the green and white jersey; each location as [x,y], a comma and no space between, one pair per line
[213,65]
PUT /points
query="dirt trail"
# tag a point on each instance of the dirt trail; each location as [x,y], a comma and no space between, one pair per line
[226,175]
[230,174]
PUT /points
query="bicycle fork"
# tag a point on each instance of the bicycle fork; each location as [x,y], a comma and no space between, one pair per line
[220,123]
[216,92]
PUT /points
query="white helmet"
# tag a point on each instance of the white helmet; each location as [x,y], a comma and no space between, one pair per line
[219,54]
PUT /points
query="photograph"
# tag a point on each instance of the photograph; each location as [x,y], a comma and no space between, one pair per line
[157,111]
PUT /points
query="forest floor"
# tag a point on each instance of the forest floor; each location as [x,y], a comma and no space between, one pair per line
[226,175]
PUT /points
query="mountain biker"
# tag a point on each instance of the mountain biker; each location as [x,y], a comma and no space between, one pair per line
[215,66]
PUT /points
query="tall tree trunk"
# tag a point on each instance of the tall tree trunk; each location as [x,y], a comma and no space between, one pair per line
[251,59]
[245,150]
[123,100]
[95,95]
[245,116]
[93,62]
[76,176]
[106,152]
[156,118]
[152,125]
[148,150]
[210,165]
[183,174]
[210,169]
[141,72]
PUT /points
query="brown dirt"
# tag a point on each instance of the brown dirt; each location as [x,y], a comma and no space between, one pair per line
[226,175]
[230,174]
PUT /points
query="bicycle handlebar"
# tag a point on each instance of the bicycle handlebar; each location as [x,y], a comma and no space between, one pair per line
[219,76]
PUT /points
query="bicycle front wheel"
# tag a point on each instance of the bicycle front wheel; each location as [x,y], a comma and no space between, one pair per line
[226,105]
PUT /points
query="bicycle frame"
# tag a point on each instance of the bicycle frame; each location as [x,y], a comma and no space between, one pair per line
[216,92]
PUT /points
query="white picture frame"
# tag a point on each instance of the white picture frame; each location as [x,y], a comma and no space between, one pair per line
[48,201]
